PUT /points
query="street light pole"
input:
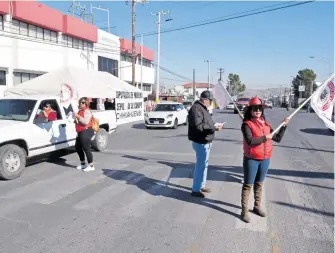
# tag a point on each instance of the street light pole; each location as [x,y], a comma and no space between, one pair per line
[141,61]
[329,64]
[209,71]
[158,14]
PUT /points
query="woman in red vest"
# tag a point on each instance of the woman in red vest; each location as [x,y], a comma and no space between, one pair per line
[84,135]
[257,147]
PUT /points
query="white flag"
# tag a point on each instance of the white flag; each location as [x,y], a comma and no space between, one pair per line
[221,95]
[322,103]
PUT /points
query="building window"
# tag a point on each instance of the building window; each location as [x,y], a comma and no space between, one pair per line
[76,43]
[126,57]
[146,87]
[40,33]
[32,31]
[15,26]
[108,65]
[53,37]
[47,35]
[90,46]
[146,63]
[2,78]
[1,23]
[20,77]
[23,28]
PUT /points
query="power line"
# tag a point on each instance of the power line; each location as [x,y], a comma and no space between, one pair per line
[223,19]
[176,80]
[226,16]
[173,73]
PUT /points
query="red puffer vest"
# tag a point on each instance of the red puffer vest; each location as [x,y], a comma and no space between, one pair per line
[80,127]
[262,151]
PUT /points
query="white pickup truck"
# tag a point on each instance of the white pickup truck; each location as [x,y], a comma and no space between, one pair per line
[23,134]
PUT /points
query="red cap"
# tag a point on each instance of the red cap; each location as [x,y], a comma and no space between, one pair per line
[255,101]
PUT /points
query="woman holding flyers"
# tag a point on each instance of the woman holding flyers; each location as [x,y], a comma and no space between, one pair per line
[257,147]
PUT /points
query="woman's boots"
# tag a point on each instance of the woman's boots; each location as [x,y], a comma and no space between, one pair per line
[258,187]
[246,189]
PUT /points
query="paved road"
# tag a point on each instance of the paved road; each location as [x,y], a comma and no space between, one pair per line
[138,200]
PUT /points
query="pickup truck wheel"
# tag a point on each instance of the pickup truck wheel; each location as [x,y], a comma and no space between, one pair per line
[12,161]
[100,140]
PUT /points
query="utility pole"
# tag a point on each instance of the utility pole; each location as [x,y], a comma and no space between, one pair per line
[209,71]
[311,92]
[220,71]
[141,61]
[193,84]
[133,54]
[133,26]
[158,14]
[102,9]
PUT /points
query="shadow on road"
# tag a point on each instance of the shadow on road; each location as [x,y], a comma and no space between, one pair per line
[167,191]
[317,131]
[303,148]
[142,127]
[235,173]
[53,157]
[303,208]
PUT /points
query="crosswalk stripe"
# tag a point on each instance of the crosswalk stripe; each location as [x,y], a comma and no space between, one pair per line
[58,187]
[148,198]
[122,184]
[198,212]
[311,224]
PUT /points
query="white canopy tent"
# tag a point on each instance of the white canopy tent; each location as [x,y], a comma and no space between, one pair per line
[86,83]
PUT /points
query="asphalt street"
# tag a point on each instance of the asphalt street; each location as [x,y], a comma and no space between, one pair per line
[138,199]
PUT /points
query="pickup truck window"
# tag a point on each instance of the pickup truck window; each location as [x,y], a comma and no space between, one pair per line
[48,111]
[16,109]
[243,99]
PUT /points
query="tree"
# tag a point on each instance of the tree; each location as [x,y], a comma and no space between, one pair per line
[235,85]
[305,78]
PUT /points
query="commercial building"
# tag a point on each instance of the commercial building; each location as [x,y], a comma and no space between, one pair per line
[36,39]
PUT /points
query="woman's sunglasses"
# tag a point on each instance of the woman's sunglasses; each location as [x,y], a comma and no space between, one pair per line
[256,108]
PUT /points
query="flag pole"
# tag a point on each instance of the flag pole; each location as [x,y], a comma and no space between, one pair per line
[305,102]
[239,112]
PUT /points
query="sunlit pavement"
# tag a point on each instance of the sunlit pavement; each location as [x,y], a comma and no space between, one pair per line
[138,198]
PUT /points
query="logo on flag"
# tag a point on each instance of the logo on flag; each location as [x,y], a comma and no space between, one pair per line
[326,98]
[66,93]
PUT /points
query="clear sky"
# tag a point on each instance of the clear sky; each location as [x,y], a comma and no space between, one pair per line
[265,50]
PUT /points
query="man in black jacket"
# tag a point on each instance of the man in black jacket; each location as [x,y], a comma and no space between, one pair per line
[201,131]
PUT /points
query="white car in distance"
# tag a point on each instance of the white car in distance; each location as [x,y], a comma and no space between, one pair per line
[230,106]
[166,114]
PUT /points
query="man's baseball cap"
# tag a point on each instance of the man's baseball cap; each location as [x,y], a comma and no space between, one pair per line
[206,94]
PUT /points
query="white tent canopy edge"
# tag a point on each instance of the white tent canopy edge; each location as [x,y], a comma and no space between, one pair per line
[86,83]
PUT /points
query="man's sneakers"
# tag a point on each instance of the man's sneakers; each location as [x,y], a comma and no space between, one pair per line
[198,194]
[89,168]
[85,167]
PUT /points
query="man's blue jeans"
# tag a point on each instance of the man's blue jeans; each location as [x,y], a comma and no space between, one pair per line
[201,165]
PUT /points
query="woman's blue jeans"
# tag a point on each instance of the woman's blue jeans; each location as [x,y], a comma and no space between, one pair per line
[201,165]
[255,171]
